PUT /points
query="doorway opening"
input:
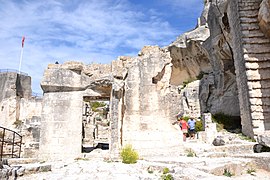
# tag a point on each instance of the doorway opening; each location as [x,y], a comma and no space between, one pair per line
[95,123]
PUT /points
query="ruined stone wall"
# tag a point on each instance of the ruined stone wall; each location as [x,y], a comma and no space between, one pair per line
[29,125]
[20,111]
[61,126]
[147,117]
[9,105]
[15,94]
[65,86]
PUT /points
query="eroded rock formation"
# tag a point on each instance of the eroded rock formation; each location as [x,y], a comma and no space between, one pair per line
[264,17]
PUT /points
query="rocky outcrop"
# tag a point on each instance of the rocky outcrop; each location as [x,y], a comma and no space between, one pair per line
[264,17]
[189,59]
[218,93]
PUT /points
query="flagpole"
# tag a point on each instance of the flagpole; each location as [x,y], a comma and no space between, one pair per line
[23,38]
[21,60]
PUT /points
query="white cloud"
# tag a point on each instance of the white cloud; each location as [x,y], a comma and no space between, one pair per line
[84,30]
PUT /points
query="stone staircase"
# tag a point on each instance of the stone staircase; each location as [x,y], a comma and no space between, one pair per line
[256,52]
[17,167]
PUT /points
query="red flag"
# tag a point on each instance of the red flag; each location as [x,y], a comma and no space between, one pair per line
[23,38]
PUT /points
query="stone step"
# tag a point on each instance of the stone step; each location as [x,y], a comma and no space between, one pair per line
[257,65]
[218,165]
[249,20]
[260,115]
[259,92]
[250,27]
[260,108]
[232,148]
[14,161]
[256,40]
[253,33]
[249,14]
[255,74]
[260,101]
[256,48]
[248,8]
[33,167]
[249,1]
[255,57]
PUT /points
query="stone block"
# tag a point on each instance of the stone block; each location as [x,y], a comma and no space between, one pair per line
[207,119]
[264,139]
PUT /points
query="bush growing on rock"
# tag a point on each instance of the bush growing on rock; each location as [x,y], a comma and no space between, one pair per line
[129,155]
[226,121]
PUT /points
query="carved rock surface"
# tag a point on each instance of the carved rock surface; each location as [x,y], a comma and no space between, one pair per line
[264,17]
[218,89]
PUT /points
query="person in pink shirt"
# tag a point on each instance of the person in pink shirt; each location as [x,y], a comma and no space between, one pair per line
[184,127]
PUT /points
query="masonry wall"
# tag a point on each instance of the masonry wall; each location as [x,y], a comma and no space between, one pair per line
[147,122]
[252,52]
[61,126]
[240,68]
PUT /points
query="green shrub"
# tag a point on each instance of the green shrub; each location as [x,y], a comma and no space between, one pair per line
[17,123]
[166,177]
[185,83]
[227,173]
[186,118]
[81,159]
[166,170]
[244,137]
[199,126]
[251,170]
[96,104]
[200,75]
[129,155]
[191,153]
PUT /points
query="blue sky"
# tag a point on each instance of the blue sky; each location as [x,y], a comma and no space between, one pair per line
[87,30]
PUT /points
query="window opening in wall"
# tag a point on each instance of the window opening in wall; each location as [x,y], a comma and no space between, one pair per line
[95,123]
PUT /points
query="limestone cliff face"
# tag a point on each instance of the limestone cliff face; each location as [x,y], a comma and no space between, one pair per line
[218,91]
[264,17]
[205,53]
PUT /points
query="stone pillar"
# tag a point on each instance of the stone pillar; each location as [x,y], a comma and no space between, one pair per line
[61,126]
[116,122]
[210,128]
[207,118]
